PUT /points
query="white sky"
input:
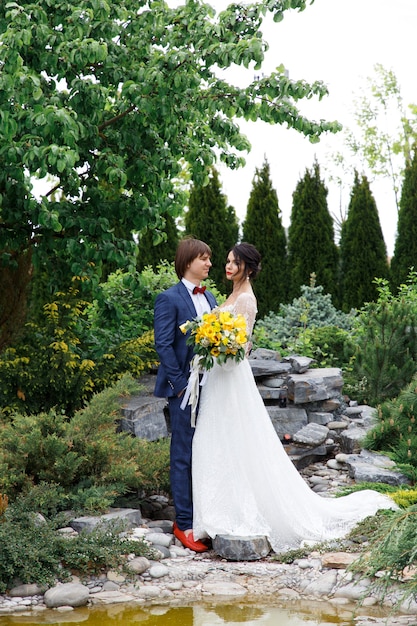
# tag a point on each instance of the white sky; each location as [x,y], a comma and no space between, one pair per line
[338,42]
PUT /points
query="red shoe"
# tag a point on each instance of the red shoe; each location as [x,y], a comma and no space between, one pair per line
[188,541]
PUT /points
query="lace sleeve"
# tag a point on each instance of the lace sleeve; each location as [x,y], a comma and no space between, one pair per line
[246,305]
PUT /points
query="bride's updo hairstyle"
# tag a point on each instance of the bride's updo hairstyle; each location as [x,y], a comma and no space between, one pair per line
[250,256]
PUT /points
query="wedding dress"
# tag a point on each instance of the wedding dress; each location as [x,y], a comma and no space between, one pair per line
[244,483]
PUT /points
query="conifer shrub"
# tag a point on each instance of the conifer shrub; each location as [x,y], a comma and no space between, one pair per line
[310,326]
[385,336]
[86,455]
[392,550]
[34,552]
[395,432]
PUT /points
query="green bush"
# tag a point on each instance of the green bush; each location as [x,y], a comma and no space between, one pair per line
[310,326]
[47,368]
[81,454]
[385,336]
[122,309]
[33,552]
[395,432]
[392,549]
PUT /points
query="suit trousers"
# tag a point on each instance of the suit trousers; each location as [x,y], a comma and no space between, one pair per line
[180,462]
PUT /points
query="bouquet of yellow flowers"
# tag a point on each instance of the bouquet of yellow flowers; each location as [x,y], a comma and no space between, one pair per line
[217,335]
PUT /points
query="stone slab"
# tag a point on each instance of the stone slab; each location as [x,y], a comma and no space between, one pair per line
[241,548]
[287,421]
[316,384]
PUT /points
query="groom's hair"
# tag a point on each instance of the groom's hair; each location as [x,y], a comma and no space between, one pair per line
[189,249]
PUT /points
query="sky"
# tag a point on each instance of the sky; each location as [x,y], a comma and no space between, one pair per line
[338,42]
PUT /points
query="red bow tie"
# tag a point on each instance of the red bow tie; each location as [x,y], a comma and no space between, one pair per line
[199,289]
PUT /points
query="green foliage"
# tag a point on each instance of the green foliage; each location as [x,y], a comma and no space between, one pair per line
[32,550]
[363,253]
[138,97]
[392,549]
[311,246]
[123,308]
[157,246]
[49,448]
[210,219]
[405,249]
[102,548]
[135,356]
[396,430]
[385,337]
[385,130]
[46,368]
[295,327]
[263,228]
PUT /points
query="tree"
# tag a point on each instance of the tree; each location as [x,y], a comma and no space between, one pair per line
[405,250]
[311,246]
[263,228]
[211,219]
[363,253]
[384,134]
[106,101]
[152,250]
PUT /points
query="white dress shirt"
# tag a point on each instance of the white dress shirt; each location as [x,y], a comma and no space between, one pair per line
[199,299]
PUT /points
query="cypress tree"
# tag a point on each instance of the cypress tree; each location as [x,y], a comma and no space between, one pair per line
[212,220]
[363,253]
[311,246]
[263,228]
[405,249]
[152,254]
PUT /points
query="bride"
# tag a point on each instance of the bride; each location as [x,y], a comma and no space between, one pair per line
[244,483]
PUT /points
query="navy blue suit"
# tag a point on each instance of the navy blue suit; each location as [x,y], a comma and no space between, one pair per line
[173,307]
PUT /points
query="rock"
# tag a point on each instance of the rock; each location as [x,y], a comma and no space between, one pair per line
[312,434]
[353,411]
[144,417]
[323,585]
[299,364]
[374,468]
[303,456]
[273,382]
[317,384]
[160,539]
[111,597]
[338,560]
[320,417]
[138,565]
[331,405]
[351,439]
[149,591]
[223,588]
[354,590]
[109,585]
[267,368]
[241,548]
[265,354]
[158,571]
[27,590]
[67,594]
[287,420]
[128,518]
[267,392]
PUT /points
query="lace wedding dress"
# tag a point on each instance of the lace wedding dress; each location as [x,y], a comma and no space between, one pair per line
[244,483]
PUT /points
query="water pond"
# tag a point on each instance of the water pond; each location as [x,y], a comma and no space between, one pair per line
[201,614]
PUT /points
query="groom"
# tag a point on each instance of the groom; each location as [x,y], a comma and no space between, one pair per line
[173,307]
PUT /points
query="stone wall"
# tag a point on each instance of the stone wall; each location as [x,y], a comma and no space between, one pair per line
[307,408]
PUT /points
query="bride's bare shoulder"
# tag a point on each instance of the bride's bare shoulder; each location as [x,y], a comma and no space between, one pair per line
[246,295]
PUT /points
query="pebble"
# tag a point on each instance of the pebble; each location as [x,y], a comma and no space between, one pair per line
[181,575]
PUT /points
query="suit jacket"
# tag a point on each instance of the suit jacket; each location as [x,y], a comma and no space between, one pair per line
[173,307]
